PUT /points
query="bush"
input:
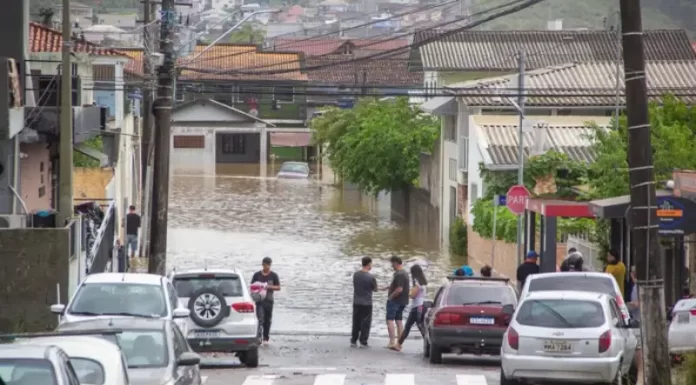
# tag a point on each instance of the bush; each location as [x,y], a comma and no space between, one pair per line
[688,370]
[458,237]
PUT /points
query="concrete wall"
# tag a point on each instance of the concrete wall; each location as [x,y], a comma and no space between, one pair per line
[450,161]
[33,262]
[413,207]
[36,183]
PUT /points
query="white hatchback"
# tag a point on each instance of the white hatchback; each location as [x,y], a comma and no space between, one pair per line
[568,336]
[682,328]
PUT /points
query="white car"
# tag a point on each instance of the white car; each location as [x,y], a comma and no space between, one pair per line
[96,361]
[222,312]
[586,281]
[294,170]
[682,328]
[122,295]
[568,336]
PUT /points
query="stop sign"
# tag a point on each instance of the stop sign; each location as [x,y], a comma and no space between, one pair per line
[516,198]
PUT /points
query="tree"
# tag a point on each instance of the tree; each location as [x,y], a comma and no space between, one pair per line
[248,34]
[377,144]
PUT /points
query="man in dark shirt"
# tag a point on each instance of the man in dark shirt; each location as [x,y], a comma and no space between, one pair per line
[364,284]
[264,308]
[132,225]
[527,268]
[397,300]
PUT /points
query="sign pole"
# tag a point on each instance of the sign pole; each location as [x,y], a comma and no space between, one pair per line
[496,201]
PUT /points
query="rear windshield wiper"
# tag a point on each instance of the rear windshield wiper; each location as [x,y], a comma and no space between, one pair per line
[482,303]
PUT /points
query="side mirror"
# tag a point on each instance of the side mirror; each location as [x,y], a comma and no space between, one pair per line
[58,309]
[633,324]
[427,304]
[188,359]
[181,312]
[508,309]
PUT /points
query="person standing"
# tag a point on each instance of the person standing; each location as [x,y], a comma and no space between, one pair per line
[364,284]
[527,268]
[417,293]
[617,269]
[397,300]
[264,308]
[132,226]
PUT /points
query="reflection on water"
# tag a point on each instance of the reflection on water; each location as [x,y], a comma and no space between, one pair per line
[315,234]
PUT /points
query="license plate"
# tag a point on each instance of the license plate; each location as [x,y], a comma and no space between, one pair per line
[214,334]
[481,321]
[557,347]
[683,318]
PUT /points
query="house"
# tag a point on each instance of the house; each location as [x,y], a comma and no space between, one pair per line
[80,14]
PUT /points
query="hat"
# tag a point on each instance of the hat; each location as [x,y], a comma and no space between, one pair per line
[532,254]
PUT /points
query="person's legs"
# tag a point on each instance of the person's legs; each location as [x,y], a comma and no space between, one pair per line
[268,317]
[355,331]
[399,320]
[365,324]
[412,318]
[132,244]
[260,315]
[391,317]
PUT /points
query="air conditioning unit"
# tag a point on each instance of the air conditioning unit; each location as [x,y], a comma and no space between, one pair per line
[13,221]
[462,177]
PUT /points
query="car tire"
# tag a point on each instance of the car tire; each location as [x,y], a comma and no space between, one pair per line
[250,358]
[426,348]
[435,354]
[507,381]
[208,317]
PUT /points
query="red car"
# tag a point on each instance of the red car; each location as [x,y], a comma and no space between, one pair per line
[469,315]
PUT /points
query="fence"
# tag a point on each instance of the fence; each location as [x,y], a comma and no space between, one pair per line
[99,257]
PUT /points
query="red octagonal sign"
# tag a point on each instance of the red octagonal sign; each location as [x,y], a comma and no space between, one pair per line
[516,199]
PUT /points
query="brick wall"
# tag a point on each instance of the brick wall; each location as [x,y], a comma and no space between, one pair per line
[462,200]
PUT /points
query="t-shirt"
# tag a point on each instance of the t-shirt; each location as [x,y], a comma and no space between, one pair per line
[618,270]
[364,284]
[420,296]
[524,270]
[400,280]
[271,279]
[132,224]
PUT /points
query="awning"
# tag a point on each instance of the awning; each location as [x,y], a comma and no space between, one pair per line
[440,105]
[291,139]
[94,154]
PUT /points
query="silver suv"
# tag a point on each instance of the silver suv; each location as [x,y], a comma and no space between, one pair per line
[223,314]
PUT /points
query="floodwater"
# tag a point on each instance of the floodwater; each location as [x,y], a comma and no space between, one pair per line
[316,235]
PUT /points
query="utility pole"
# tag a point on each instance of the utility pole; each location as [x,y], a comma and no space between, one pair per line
[65,184]
[520,152]
[147,140]
[644,223]
[162,111]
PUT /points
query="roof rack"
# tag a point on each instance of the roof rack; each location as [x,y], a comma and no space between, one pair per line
[4,338]
[477,278]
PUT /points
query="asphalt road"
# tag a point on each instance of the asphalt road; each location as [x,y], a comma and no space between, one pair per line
[329,360]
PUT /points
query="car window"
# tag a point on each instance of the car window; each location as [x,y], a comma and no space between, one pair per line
[144,348]
[124,363]
[228,285]
[603,285]
[73,378]
[119,299]
[560,313]
[438,297]
[88,371]
[176,343]
[181,340]
[173,296]
[25,371]
[298,168]
[480,294]
[615,310]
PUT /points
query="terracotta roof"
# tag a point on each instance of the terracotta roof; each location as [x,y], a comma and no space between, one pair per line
[589,84]
[382,72]
[135,65]
[223,57]
[296,10]
[325,46]
[44,39]
[497,50]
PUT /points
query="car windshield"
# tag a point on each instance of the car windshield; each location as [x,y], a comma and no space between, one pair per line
[88,371]
[603,285]
[228,285]
[143,348]
[561,314]
[480,295]
[119,299]
[25,371]
[297,168]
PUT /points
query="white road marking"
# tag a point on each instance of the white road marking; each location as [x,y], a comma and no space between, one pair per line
[259,380]
[204,379]
[471,379]
[307,369]
[400,379]
[330,379]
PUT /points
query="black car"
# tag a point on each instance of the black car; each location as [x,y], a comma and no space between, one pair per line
[469,315]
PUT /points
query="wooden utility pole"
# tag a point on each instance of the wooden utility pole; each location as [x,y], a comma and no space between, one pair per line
[644,223]
[65,185]
[147,143]
[162,111]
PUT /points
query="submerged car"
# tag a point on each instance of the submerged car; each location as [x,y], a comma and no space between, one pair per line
[294,170]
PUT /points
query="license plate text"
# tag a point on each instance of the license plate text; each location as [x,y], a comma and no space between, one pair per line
[481,321]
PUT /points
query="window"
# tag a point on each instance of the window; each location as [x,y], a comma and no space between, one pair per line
[464,153]
[41,167]
[88,371]
[451,128]
[144,348]
[561,314]
[234,144]
[246,94]
[473,188]
[284,94]
[177,343]
[119,299]
[173,297]
[179,337]
[229,285]
[42,191]
[467,294]
[578,283]
[27,371]
[438,297]
[453,169]
[189,141]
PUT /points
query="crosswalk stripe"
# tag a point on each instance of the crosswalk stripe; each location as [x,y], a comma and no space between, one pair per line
[259,380]
[471,379]
[204,379]
[330,379]
[400,379]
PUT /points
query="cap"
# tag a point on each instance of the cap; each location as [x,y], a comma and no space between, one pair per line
[532,254]
[267,261]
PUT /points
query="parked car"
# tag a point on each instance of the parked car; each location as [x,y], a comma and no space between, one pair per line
[592,282]
[222,312]
[95,361]
[682,328]
[155,349]
[468,315]
[112,295]
[294,170]
[35,365]
[568,336]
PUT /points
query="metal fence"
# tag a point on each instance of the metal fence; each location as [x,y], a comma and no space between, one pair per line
[100,254]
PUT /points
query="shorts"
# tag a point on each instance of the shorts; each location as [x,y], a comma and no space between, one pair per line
[395,311]
[132,242]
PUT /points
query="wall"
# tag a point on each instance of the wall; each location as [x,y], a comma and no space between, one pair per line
[430,173]
[125,174]
[448,178]
[474,181]
[35,173]
[34,261]
[91,183]
[413,207]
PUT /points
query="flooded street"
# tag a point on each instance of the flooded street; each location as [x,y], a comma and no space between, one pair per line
[315,234]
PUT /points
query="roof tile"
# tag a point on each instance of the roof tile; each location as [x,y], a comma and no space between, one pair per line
[377,72]
[44,39]
[327,45]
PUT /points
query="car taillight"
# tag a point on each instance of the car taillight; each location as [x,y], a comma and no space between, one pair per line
[513,339]
[243,307]
[445,318]
[605,341]
[692,311]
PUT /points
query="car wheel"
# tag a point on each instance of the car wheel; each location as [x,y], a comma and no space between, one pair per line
[506,381]
[250,358]
[208,307]
[426,348]
[435,354]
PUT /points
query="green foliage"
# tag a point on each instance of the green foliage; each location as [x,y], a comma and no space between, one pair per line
[458,237]
[82,160]
[376,145]
[688,370]
[248,33]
